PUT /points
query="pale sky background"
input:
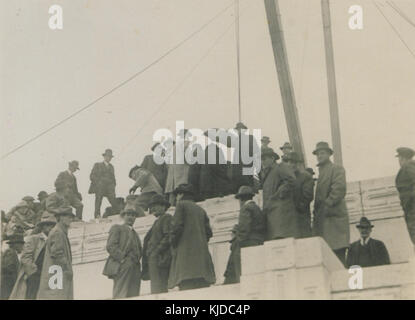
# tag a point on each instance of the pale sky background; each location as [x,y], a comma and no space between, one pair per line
[47,75]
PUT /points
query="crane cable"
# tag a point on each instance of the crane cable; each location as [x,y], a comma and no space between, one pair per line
[238,58]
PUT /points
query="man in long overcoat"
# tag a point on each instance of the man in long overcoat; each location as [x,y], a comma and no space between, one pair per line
[278,198]
[58,260]
[10,264]
[366,252]
[331,220]
[31,262]
[103,182]
[157,251]
[72,194]
[192,265]
[159,171]
[250,231]
[405,184]
[125,252]
[303,193]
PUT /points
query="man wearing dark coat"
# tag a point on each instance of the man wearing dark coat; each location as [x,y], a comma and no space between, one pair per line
[331,220]
[157,252]
[192,265]
[10,264]
[405,184]
[303,193]
[278,198]
[159,171]
[72,194]
[366,252]
[103,182]
[125,251]
[250,231]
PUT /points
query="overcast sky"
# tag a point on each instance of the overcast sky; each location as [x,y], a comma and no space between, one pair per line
[47,75]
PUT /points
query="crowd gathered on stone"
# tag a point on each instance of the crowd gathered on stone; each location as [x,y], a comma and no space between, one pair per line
[175,251]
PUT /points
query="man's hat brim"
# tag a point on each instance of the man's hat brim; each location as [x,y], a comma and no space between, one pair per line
[327,149]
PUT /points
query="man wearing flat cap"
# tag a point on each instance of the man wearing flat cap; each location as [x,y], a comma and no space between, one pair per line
[58,257]
[250,231]
[28,279]
[125,251]
[303,193]
[191,266]
[366,252]
[331,220]
[40,206]
[73,196]
[10,264]
[286,148]
[103,182]
[157,251]
[278,197]
[21,218]
[405,184]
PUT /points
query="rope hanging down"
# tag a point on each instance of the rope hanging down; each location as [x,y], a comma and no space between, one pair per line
[238,65]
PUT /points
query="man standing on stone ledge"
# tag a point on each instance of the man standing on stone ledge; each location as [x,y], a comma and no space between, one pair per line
[192,265]
[405,184]
[72,194]
[367,252]
[331,220]
[103,182]
[125,251]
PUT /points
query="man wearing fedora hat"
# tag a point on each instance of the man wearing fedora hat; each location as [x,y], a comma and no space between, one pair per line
[191,265]
[303,193]
[10,264]
[58,254]
[159,171]
[157,251]
[331,220]
[250,231]
[72,194]
[278,198]
[103,182]
[125,252]
[28,279]
[405,184]
[366,252]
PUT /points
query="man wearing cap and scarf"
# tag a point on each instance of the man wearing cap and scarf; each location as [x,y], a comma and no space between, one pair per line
[303,193]
[28,279]
[72,194]
[125,251]
[148,184]
[250,231]
[366,252]
[278,197]
[159,171]
[10,264]
[331,220]
[57,261]
[21,218]
[191,265]
[156,249]
[405,184]
[103,182]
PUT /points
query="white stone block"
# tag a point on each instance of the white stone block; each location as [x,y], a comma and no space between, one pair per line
[253,260]
[313,283]
[280,254]
[253,286]
[281,284]
[408,291]
[371,294]
[314,252]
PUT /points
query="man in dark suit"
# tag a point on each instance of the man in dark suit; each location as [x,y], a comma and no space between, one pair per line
[367,252]
[250,231]
[10,264]
[103,182]
[159,171]
[72,194]
[157,251]
[125,251]
[303,193]
[405,184]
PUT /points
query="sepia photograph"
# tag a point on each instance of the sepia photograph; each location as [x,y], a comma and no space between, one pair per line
[225,151]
